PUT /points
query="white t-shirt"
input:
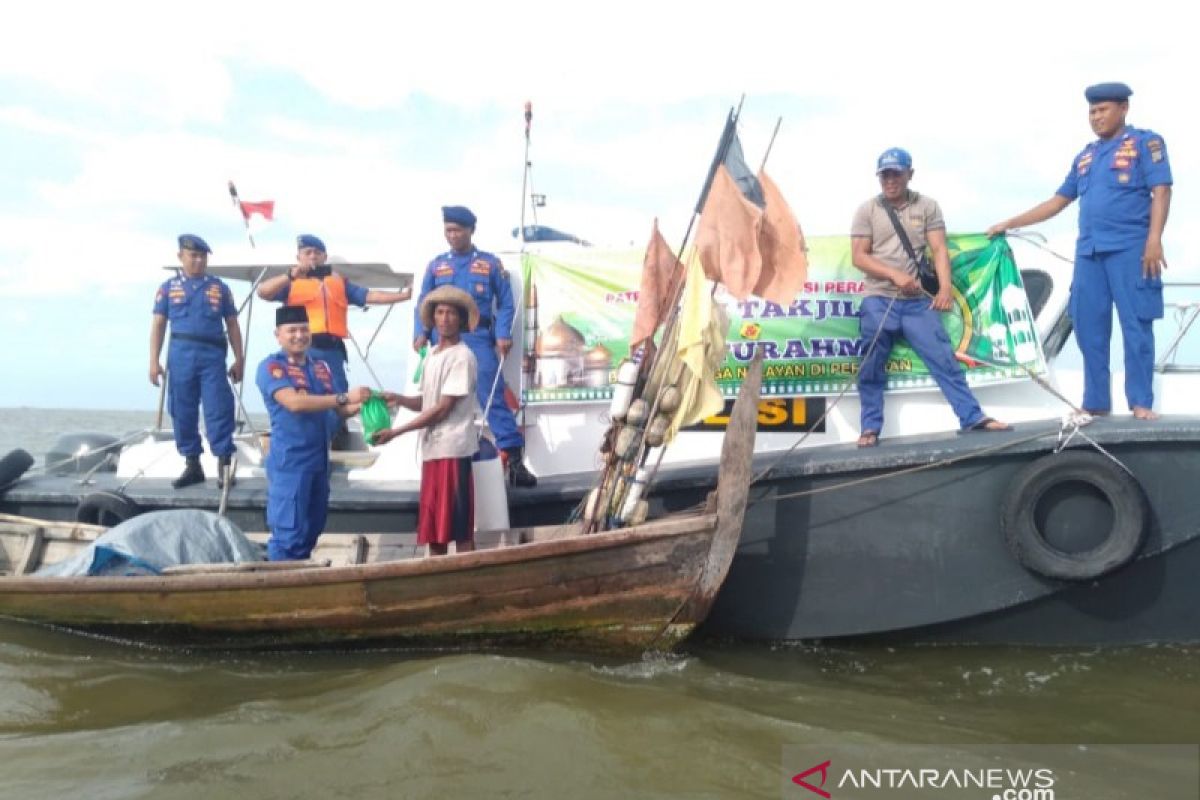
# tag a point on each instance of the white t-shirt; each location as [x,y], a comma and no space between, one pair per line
[450,371]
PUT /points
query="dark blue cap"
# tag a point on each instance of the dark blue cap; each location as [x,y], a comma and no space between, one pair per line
[893,158]
[459,215]
[1107,93]
[290,315]
[190,241]
[308,240]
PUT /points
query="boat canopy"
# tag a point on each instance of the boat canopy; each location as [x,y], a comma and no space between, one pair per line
[372,276]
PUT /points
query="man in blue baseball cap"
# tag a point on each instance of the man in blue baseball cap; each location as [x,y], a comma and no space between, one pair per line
[894,158]
[1123,183]
[200,309]
[481,276]
[895,304]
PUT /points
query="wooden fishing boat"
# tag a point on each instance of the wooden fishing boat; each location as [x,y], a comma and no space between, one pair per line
[627,590]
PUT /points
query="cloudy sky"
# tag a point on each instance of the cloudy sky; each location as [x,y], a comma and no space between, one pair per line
[120,124]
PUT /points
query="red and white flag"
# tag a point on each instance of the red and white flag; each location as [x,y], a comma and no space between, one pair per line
[264,208]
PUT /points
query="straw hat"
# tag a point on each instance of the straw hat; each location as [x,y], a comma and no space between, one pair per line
[451,296]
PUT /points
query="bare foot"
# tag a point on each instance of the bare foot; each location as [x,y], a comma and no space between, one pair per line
[1097,412]
[1140,412]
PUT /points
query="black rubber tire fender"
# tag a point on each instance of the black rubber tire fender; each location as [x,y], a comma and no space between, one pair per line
[106,508]
[13,466]
[1121,490]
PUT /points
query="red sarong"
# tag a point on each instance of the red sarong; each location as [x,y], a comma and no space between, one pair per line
[446,510]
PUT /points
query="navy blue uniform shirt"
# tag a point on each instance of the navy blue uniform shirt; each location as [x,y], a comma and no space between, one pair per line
[1112,179]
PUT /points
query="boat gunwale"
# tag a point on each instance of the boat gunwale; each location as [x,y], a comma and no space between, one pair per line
[677,525]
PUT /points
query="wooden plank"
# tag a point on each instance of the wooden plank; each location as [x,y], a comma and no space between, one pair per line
[243,566]
[733,491]
[31,557]
[358,550]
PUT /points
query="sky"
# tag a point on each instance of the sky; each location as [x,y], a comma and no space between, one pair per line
[121,122]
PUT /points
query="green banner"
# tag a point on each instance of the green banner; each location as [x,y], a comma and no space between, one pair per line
[580,310]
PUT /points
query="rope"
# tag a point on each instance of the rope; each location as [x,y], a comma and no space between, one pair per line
[910,470]
[1038,241]
[829,409]
[1075,422]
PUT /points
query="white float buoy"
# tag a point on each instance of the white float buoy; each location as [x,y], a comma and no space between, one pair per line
[491,495]
[633,494]
[623,389]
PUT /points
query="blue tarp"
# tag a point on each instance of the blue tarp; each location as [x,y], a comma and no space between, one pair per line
[147,543]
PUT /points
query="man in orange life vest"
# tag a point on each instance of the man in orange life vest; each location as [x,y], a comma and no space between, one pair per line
[326,296]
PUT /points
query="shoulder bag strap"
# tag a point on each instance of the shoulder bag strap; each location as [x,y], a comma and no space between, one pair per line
[908,248]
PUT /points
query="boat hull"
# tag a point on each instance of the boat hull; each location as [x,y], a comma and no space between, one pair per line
[923,556]
[616,592]
[874,549]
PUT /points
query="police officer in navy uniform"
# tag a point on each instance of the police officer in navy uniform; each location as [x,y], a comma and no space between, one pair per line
[304,406]
[200,309]
[1123,182]
[480,275]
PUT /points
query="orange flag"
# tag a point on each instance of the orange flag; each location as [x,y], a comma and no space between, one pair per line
[781,243]
[727,241]
[661,272]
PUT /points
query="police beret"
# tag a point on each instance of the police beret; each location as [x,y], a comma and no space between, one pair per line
[308,240]
[893,158]
[1107,93]
[459,215]
[190,241]
[290,315]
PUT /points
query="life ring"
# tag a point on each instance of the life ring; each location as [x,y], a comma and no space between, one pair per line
[13,466]
[106,508]
[1090,473]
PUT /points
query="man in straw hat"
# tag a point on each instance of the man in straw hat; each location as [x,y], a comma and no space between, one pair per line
[446,410]
[483,278]
[304,405]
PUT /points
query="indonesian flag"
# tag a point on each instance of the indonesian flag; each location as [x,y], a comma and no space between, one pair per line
[264,208]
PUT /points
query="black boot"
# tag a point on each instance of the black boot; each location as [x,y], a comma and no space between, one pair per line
[518,473]
[192,473]
[224,467]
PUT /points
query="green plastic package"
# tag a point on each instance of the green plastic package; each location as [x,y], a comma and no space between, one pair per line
[420,364]
[375,416]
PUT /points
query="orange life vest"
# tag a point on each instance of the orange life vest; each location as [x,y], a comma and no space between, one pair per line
[325,301]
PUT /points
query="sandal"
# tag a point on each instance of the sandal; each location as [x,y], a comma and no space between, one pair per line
[988,424]
[868,439]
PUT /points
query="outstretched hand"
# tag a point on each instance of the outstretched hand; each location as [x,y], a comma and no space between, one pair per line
[384,436]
